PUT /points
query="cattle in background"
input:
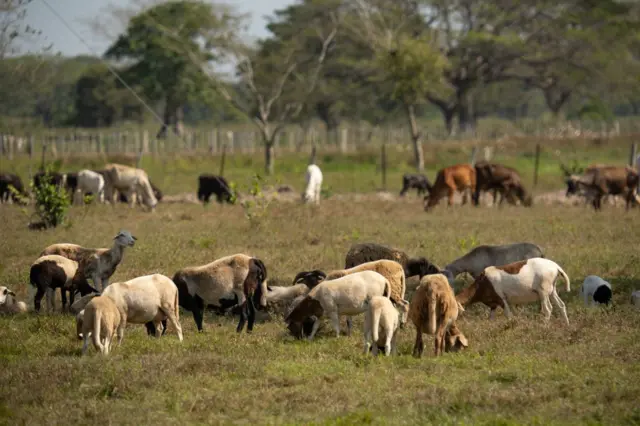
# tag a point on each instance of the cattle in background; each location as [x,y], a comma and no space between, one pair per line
[598,182]
[502,180]
[461,177]
[209,184]
[416,181]
[130,181]
[7,180]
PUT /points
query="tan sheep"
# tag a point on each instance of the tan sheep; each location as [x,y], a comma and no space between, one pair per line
[101,320]
[434,310]
[381,322]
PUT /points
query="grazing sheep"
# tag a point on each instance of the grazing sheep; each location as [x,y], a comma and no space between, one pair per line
[129,181]
[280,298]
[381,322]
[9,304]
[150,298]
[209,184]
[595,290]
[368,252]
[434,310]
[313,185]
[102,320]
[240,275]
[91,182]
[635,298]
[480,257]
[518,283]
[97,264]
[341,296]
[52,271]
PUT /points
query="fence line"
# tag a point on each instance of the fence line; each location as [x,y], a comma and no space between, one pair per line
[347,138]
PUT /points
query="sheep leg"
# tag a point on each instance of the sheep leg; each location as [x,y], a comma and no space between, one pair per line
[170,313]
[85,344]
[394,344]
[388,345]
[418,347]
[367,339]
[38,299]
[335,321]
[492,314]
[252,314]
[121,327]
[507,310]
[314,329]
[198,311]
[50,294]
[106,345]
[349,325]
[545,306]
[560,304]
[243,316]
[63,297]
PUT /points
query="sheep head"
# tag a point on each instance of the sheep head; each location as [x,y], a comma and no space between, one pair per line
[124,238]
[310,278]
[5,295]
[455,342]
[420,266]
[255,285]
[303,316]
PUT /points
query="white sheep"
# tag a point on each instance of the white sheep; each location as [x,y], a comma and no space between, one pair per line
[90,181]
[518,283]
[595,290]
[238,275]
[97,264]
[434,310]
[101,320]
[342,296]
[313,185]
[381,323]
[144,299]
[9,304]
[635,298]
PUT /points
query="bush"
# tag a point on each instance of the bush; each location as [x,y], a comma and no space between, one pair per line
[51,202]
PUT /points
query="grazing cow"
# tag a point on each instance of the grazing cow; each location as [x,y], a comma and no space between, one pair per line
[418,182]
[502,180]
[10,180]
[130,181]
[122,197]
[461,177]
[598,182]
[55,178]
[209,184]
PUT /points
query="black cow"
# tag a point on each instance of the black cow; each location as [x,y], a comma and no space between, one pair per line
[9,179]
[415,181]
[209,184]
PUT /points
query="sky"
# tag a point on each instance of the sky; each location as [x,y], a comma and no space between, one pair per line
[78,14]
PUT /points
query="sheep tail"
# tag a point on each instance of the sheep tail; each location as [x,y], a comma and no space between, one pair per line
[176,304]
[375,324]
[95,336]
[566,278]
[431,310]
[387,289]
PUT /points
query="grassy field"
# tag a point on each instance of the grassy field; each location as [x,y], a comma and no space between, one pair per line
[515,372]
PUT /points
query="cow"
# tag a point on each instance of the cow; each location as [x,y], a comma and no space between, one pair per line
[598,182]
[209,184]
[502,180]
[418,182]
[8,180]
[130,181]
[460,177]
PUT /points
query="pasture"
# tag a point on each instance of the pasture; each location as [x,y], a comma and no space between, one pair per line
[514,372]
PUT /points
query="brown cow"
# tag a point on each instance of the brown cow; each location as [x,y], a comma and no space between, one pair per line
[501,180]
[606,180]
[461,177]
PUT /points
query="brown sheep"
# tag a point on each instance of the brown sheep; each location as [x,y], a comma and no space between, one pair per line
[368,252]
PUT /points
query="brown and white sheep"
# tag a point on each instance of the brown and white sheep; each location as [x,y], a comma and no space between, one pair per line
[434,310]
[239,274]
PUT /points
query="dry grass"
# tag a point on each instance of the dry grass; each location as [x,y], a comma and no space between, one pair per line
[515,372]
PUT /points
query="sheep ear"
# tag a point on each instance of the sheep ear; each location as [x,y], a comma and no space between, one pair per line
[134,238]
[463,340]
[11,293]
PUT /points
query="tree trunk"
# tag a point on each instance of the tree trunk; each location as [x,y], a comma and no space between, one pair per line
[269,156]
[172,117]
[448,119]
[466,119]
[416,138]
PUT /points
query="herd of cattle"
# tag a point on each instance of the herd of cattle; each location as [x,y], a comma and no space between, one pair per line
[373,283]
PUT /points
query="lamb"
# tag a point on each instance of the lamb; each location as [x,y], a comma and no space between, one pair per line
[150,298]
[52,271]
[518,283]
[434,310]
[239,274]
[368,252]
[97,264]
[130,181]
[102,320]
[380,313]
[9,304]
[595,290]
[341,296]
[313,185]
[480,257]
[91,182]
[635,298]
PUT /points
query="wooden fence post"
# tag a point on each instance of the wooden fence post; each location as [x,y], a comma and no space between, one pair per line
[536,166]
[632,154]
[474,151]
[224,156]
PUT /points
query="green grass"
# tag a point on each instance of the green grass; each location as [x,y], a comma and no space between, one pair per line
[515,372]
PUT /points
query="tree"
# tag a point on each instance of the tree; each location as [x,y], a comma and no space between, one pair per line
[155,42]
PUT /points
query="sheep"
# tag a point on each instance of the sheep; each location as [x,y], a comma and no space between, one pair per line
[635,298]
[434,310]
[11,188]
[52,271]
[595,290]
[313,185]
[130,181]
[239,274]
[367,252]
[209,184]
[475,261]
[9,304]
[341,296]
[97,264]
[91,182]
[149,298]
[518,283]
[280,298]
[380,313]
[101,319]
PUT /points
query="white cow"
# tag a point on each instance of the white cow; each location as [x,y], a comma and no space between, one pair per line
[90,181]
[129,181]
[314,183]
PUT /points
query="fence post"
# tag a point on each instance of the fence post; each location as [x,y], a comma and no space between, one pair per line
[384,165]
[344,143]
[213,141]
[632,154]
[536,166]
[474,151]
[224,156]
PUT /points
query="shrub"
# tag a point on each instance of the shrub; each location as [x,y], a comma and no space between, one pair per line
[51,202]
